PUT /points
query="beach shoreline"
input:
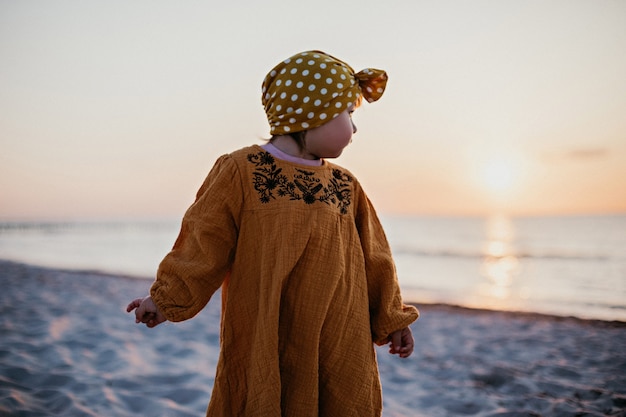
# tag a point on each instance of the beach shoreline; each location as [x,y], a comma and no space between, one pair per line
[528,315]
[68,348]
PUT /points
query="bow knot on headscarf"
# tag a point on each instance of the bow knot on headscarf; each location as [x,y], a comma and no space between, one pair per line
[372,83]
[311,88]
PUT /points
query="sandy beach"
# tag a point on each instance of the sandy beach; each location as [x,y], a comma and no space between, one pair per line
[68,348]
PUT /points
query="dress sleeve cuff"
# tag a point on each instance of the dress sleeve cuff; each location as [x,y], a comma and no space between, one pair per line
[383,328]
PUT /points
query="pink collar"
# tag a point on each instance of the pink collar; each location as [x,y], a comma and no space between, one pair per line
[286,157]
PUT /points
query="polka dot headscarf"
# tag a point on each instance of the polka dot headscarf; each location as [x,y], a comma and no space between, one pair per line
[311,88]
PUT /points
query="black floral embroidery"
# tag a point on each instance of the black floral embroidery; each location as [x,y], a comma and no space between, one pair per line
[267,176]
[305,186]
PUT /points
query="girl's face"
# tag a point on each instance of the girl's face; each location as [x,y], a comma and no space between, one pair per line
[330,139]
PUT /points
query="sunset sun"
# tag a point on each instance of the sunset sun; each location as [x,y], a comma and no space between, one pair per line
[498,175]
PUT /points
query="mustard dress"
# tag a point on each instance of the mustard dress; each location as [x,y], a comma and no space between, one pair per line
[308,285]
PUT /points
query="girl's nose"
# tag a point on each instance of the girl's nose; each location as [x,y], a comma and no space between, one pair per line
[354,129]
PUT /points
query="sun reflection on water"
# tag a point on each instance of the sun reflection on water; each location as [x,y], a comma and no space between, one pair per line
[500,266]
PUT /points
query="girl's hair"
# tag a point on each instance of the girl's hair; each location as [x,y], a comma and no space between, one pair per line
[300,138]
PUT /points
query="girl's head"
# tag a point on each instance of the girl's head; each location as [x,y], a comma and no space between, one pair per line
[313,89]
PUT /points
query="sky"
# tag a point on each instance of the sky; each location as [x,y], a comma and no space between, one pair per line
[118,109]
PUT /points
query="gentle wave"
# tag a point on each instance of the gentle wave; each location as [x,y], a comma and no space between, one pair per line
[482,255]
[60,226]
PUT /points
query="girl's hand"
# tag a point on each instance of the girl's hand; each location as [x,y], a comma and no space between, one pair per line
[401,343]
[146,311]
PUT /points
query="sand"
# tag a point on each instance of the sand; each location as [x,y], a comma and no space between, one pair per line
[68,348]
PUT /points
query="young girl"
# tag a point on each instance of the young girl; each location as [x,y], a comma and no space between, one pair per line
[308,281]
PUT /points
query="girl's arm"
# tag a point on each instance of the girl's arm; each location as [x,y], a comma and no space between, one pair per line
[389,316]
[205,248]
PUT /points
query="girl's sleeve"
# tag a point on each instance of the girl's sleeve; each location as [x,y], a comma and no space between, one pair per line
[203,252]
[387,311]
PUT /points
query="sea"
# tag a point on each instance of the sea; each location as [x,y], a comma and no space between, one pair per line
[559,265]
